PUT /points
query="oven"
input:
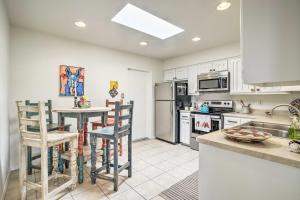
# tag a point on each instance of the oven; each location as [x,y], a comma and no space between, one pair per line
[216,81]
[216,124]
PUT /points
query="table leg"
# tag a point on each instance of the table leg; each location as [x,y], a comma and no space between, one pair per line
[61,122]
[85,143]
[80,159]
[93,142]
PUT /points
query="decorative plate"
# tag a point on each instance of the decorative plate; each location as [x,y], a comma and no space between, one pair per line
[246,135]
[295,103]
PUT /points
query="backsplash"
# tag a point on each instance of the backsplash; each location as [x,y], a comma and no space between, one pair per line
[258,102]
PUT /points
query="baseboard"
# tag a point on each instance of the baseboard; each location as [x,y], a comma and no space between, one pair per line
[5,186]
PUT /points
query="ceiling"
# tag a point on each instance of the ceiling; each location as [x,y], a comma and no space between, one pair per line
[196,17]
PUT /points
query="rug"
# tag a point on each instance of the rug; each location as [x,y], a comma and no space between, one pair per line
[186,189]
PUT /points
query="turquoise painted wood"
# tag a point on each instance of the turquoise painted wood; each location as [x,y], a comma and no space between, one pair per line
[113,134]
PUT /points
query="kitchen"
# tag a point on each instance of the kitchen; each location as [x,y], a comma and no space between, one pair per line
[211,90]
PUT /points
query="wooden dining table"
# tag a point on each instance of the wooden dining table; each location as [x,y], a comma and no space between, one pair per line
[82,115]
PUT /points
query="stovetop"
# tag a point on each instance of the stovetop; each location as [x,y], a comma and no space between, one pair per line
[217,107]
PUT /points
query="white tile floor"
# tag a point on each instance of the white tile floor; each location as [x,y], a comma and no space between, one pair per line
[157,165]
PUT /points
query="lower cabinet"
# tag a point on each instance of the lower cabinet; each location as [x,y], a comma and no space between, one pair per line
[230,122]
[185,128]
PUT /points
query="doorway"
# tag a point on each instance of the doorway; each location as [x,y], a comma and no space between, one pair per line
[139,90]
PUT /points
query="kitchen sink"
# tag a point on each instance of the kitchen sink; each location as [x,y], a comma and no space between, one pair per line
[278,130]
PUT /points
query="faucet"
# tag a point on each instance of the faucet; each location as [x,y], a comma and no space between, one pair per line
[280,105]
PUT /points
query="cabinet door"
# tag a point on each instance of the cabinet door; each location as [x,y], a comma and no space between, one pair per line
[169,75]
[181,73]
[245,120]
[231,121]
[220,65]
[192,80]
[204,68]
[237,84]
[294,88]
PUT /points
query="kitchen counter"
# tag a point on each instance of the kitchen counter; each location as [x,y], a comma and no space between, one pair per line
[230,170]
[274,149]
[259,116]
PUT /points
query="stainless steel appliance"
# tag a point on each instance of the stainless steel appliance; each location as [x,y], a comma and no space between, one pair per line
[169,100]
[215,81]
[182,88]
[216,109]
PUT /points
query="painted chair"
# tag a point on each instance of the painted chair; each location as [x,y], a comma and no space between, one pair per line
[112,134]
[43,140]
[110,122]
[51,126]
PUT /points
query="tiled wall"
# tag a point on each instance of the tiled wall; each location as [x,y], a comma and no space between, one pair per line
[259,102]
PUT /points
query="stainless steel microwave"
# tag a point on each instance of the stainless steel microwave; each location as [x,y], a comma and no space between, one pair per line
[216,81]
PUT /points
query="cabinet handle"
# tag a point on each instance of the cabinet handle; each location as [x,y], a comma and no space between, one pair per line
[230,121]
[252,90]
[257,89]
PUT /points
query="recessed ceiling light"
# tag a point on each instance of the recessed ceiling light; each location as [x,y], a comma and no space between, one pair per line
[196,39]
[138,19]
[80,24]
[223,5]
[143,43]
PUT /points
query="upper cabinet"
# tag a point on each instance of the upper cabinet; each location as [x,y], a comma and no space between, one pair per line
[181,73]
[169,75]
[220,65]
[270,41]
[176,74]
[192,80]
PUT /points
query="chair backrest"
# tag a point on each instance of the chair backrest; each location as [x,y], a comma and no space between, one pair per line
[39,120]
[125,129]
[112,105]
[48,107]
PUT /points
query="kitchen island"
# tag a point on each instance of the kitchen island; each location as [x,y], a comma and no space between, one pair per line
[230,170]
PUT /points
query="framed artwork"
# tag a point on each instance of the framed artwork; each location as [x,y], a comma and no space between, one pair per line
[71,81]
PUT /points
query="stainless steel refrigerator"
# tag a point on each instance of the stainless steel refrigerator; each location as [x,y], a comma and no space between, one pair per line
[165,112]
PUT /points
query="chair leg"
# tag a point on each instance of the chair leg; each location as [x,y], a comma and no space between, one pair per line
[73,163]
[23,171]
[107,155]
[130,155]
[55,160]
[67,147]
[50,161]
[121,146]
[93,143]
[29,160]
[44,173]
[116,174]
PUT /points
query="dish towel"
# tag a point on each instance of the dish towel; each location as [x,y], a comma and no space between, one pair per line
[203,123]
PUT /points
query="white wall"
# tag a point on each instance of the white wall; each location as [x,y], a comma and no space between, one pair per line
[220,52]
[4,133]
[35,59]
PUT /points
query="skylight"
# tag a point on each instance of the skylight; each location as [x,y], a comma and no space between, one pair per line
[138,19]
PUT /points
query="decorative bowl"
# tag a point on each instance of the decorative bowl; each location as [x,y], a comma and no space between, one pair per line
[246,135]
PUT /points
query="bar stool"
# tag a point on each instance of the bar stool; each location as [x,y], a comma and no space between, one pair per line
[43,140]
[51,126]
[113,133]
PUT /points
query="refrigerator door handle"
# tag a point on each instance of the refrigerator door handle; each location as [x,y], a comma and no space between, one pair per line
[171,107]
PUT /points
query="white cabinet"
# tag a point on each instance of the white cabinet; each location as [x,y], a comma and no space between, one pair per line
[181,73]
[185,128]
[237,85]
[270,41]
[230,122]
[220,65]
[178,73]
[192,80]
[204,67]
[169,75]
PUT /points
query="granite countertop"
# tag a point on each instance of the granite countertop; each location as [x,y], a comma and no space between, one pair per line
[274,149]
[260,116]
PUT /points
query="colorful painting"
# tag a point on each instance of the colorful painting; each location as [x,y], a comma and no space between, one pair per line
[113,88]
[71,81]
